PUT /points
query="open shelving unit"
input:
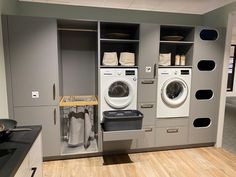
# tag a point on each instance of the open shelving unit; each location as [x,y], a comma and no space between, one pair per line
[77,59]
[177,40]
[119,37]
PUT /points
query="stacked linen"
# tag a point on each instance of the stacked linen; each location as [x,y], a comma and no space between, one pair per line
[127,59]
[110,59]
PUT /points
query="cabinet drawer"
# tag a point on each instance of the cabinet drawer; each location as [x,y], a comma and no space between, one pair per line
[149,113]
[171,136]
[147,140]
[147,90]
[172,122]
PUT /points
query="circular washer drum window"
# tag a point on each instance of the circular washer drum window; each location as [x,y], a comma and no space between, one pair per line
[174,92]
[118,89]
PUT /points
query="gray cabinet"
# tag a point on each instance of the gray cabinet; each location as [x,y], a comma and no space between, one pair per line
[48,117]
[33,60]
[149,112]
[147,139]
[148,50]
[148,58]
[147,90]
[171,132]
[206,82]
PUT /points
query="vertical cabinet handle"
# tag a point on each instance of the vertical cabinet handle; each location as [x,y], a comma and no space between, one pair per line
[34,169]
[155,71]
[54,91]
[55,116]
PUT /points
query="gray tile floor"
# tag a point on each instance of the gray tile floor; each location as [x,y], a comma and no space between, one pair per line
[229,136]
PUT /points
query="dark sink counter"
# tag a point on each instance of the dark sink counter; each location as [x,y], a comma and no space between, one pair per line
[16,147]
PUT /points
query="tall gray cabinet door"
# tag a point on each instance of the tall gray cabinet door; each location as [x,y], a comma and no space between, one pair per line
[34,60]
[206,81]
[48,117]
[148,50]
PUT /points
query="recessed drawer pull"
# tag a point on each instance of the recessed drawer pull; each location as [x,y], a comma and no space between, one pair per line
[148,130]
[148,82]
[147,106]
[173,130]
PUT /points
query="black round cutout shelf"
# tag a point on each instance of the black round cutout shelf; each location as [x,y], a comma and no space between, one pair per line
[206,65]
[204,94]
[209,35]
[202,122]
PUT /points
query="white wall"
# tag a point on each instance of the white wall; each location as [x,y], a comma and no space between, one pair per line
[3,90]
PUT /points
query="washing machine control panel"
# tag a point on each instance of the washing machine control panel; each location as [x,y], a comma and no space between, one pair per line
[120,72]
[174,72]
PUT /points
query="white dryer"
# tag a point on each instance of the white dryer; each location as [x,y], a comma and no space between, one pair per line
[173,92]
[118,89]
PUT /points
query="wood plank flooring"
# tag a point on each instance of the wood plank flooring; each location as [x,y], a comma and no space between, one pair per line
[195,162]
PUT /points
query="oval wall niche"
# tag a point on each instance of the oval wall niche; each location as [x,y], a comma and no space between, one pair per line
[202,122]
[209,35]
[204,94]
[206,65]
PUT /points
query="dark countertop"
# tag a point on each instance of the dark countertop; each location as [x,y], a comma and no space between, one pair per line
[17,146]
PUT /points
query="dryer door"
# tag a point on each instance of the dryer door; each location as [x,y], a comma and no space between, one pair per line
[119,94]
[174,92]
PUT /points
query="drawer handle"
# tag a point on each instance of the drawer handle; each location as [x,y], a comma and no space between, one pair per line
[173,130]
[147,106]
[34,169]
[148,130]
[148,82]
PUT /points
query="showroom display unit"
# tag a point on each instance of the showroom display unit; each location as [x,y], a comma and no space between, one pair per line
[49,58]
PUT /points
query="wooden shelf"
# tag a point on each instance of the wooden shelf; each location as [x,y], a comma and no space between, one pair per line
[90,100]
[119,40]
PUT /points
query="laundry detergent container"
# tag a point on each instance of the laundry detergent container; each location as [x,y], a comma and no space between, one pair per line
[122,120]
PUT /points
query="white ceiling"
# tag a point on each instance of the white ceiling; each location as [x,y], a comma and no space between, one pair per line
[177,6]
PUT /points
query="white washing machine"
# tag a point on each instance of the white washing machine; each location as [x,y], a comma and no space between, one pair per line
[118,89]
[173,92]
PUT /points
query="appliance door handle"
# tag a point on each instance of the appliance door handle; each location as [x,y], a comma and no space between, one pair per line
[54,91]
[155,71]
[148,82]
[34,169]
[55,116]
[174,130]
[147,106]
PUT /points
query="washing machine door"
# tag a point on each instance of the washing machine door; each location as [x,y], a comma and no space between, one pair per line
[119,94]
[174,92]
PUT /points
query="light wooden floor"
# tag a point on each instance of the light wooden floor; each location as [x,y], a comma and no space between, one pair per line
[196,162]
